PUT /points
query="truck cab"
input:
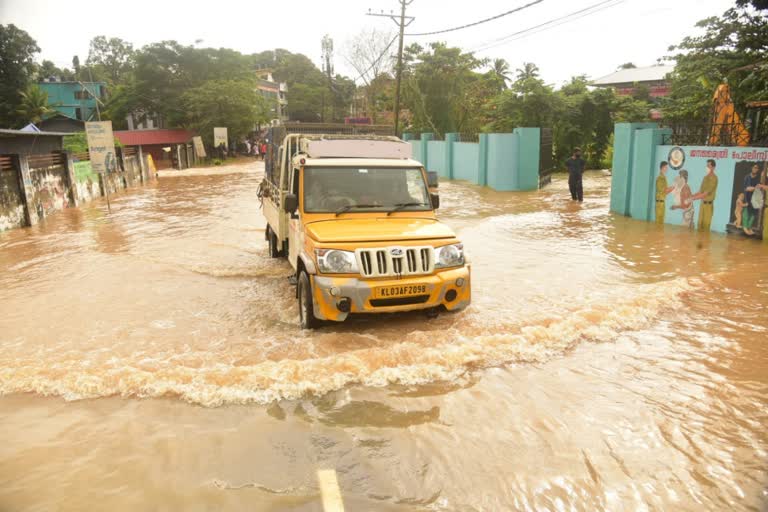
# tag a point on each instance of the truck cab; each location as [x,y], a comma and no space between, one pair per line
[356,219]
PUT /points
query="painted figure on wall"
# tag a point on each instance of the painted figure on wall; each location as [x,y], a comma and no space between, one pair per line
[707,194]
[738,210]
[752,208]
[662,190]
[684,198]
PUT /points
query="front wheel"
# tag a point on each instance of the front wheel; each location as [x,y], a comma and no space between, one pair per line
[274,252]
[307,319]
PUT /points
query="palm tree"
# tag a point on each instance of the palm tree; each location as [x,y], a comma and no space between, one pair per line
[34,104]
[529,70]
[500,68]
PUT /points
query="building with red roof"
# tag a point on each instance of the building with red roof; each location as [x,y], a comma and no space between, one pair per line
[160,143]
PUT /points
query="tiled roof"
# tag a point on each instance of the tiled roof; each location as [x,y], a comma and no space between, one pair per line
[148,137]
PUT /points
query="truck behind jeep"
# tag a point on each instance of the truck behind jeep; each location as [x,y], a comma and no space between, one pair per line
[355,216]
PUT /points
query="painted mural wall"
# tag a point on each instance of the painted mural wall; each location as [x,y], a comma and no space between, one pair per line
[86,181]
[721,189]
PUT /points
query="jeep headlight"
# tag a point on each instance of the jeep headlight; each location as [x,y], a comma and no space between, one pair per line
[332,261]
[449,256]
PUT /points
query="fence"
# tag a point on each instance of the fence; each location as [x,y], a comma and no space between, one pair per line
[503,161]
[706,134]
[33,187]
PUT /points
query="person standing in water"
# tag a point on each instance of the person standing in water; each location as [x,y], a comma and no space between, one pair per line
[707,194]
[575,166]
[662,190]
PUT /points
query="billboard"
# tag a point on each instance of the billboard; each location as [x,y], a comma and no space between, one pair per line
[199,148]
[101,146]
[220,137]
[708,188]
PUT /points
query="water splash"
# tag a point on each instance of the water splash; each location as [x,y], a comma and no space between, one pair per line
[240,373]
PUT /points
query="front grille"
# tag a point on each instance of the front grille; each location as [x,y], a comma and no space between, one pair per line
[399,301]
[396,261]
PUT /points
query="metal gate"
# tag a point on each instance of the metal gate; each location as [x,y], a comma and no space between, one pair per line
[546,158]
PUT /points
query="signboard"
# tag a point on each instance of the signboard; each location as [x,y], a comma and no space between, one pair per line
[220,137]
[101,146]
[199,148]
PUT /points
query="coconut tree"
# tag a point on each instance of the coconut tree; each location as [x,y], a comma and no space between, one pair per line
[500,69]
[529,70]
[34,104]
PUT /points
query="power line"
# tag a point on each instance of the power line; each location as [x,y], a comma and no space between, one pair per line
[478,22]
[592,9]
[375,61]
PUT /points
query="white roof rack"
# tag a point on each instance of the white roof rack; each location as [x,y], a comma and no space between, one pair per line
[355,147]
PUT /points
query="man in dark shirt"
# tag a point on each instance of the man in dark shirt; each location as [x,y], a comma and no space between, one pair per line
[575,167]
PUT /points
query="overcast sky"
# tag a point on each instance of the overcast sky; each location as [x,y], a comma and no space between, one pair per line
[593,43]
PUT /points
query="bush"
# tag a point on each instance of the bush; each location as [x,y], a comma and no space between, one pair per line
[216,161]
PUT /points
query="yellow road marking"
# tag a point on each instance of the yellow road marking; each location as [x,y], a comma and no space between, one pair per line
[329,490]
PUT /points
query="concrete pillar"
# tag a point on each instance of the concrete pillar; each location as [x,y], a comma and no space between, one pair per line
[407,136]
[502,161]
[528,155]
[27,190]
[641,184]
[142,166]
[72,183]
[450,138]
[623,141]
[424,141]
[482,160]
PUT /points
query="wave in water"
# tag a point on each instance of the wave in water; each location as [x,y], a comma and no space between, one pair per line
[474,341]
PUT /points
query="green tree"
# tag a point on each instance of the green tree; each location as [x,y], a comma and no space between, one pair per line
[34,105]
[731,49]
[528,102]
[110,59]
[439,83]
[305,102]
[500,70]
[48,69]
[232,103]
[17,68]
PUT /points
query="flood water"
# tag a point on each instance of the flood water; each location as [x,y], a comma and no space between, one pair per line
[150,360]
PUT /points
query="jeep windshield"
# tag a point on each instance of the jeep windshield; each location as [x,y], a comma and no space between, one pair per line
[357,189]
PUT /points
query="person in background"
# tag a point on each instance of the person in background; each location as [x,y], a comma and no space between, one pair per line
[707,194]
[263,150]
[662,190]
[575,166]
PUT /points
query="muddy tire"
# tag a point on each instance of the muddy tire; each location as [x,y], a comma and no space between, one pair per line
[307,318]
[274,252]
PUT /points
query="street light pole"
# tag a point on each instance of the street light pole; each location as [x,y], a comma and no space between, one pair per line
[402,21]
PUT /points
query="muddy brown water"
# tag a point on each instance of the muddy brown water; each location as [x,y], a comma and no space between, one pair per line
[149,360]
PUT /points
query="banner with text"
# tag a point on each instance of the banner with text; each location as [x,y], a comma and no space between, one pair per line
[199,148]
[220,137]
[101,146]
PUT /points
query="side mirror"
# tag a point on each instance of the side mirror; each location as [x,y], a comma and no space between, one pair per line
[432,179]
[435,201]
[290,203]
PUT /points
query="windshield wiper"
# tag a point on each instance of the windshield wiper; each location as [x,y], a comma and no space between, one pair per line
[401,206]
[345,209]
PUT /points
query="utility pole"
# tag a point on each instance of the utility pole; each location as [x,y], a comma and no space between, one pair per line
[402,21]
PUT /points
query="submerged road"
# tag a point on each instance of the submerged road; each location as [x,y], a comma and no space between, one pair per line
[150,360]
